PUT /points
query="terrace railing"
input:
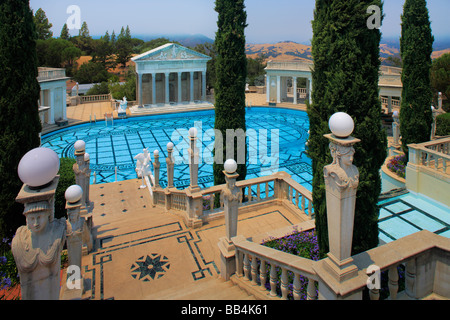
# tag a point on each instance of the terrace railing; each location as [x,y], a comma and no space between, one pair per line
[278,188]
[95,98]
[425,255]
[51,74]
[433,155]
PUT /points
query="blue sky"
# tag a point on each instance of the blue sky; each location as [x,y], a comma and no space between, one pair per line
[269,21]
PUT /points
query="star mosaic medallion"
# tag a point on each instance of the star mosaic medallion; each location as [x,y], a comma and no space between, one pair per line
[150,267]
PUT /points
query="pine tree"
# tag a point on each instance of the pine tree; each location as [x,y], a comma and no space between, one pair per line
[416,46]
[42,25]
[345,78]
[65,35]
[231,72]
[19,118]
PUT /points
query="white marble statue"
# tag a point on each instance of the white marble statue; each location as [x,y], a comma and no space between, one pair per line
[123,105]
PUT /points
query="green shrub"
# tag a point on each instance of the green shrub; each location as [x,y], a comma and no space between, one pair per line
[443,125]
[66,179]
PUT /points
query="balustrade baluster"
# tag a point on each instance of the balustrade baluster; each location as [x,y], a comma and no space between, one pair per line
[258,192]
[263,275]
[284,284]
[303,204]
[238,263]
[297,203]
[291,191]
[267,190]
[297,287]
[273,280]
[393,282]
[410,278]
[311,291]
[249,195]
[246,267]
[444,165]
[374,294]
[254,271]
[436,162]
[241,198]
[212,199]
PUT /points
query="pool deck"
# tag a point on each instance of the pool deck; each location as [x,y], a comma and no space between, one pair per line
[89,111]
[133,239]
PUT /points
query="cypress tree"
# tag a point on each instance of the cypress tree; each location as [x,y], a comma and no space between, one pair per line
[416,46]
[345,79]
[231,73]
[19,117]
[65,35]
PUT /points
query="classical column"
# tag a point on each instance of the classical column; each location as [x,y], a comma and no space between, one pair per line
[267,88]
[294,82]
[396,128]
[278,89]
[191,84]
[51,119]
[341,183]
[37,246]
[64,102]
[170,165]
[309,86]
[73,289]
[140,93]
[203,85]
[167,91]
[180,88]
[193,160]
[440,102]
[153,88]
[389,105]
[231,195]
[156,166]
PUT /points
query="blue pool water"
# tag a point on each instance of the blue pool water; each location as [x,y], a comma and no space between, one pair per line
[116,145]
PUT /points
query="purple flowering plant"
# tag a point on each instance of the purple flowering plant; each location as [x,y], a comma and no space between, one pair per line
[398,165]
[8,270]
[300,243]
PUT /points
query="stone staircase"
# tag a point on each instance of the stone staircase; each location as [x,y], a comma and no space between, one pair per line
[207,289]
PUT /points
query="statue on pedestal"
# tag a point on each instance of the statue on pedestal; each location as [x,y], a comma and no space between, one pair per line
[123,105]
[37,251]
[342,170]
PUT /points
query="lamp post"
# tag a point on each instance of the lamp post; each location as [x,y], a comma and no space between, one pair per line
[231,195]
[341,183]
[37,246]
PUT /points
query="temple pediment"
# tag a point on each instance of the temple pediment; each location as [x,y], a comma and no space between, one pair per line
[170,52]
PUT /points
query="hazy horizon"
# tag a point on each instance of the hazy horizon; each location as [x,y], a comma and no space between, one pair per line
[268,21]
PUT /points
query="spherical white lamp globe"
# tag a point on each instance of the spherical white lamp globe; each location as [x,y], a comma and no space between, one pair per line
[230,166]
[87,157]
[193,132]
[341,125]
[156,153]
[38,167]
[170,145]
[80,145]
[73,193]
[395,114]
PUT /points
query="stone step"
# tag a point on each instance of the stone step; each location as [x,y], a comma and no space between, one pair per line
[205,289]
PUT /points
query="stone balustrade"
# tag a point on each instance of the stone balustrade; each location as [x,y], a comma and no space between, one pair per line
[426,257]
[278,188]
[51,73]
[95,98]
[428,170]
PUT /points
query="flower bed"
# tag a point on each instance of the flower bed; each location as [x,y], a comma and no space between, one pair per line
[9,280]
[398,165]
[302,244]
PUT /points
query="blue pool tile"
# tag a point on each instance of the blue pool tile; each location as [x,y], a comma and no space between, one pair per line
[397,227]
[398,207]
[423,221]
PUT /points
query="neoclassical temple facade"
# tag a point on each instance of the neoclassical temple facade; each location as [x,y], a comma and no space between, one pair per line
[53,97]
[170,74]
[281,82]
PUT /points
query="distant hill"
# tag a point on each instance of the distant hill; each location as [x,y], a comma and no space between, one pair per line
[289,50]
[187,40]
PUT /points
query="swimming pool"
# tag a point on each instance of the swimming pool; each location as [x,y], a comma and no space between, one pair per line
[276,142]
